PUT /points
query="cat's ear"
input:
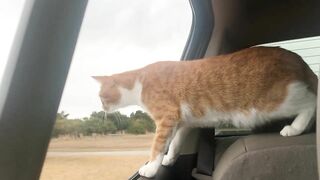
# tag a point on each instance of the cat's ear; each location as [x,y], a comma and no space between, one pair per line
[100,79]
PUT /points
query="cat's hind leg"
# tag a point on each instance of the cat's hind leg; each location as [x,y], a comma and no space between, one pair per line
[300,123]
[175,145]
[301,102]
[165,130]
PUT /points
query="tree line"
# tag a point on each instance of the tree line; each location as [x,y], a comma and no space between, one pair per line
[101,123]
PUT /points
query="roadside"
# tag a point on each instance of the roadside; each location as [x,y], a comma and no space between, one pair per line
[99,157]
[102,153]
[118,142]
[91,167]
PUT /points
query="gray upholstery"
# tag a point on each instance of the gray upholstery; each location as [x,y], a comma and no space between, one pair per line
[266,157]
[222,145]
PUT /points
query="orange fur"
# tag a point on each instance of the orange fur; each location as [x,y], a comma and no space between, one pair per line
[252,78]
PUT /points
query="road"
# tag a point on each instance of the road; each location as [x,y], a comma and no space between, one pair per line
[106,153]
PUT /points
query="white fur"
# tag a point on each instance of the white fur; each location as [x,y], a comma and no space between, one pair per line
[151,168]
[299,101]
[129,97]
[175,145]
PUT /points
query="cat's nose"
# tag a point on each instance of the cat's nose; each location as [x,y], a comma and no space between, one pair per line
[105,108]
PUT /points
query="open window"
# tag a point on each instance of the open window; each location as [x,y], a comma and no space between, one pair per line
[114,38]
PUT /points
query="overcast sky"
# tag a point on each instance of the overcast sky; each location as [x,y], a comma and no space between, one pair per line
[116,36]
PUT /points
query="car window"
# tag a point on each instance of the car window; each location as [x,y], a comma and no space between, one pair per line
[115,36]
[307,48]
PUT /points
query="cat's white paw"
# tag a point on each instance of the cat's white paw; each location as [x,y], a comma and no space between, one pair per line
[168,160]
[290,131]
[149,170]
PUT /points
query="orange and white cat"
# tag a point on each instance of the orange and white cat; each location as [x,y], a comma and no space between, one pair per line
[247,88]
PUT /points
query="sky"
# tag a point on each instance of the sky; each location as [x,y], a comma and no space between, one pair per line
[115,36]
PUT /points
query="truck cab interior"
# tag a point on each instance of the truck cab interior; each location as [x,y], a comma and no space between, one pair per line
[44,45]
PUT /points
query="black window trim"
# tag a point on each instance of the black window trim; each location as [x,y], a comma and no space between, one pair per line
[318,126]
[201,30]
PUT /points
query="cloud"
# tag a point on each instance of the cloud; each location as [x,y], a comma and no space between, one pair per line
[143,23]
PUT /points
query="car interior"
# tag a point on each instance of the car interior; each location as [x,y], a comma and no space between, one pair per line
[44,45]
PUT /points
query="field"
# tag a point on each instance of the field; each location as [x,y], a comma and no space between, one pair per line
[100,158]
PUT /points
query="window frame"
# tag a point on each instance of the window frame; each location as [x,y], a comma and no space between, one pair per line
[33,82]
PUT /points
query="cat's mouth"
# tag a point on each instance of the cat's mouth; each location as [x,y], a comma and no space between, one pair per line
[106,108]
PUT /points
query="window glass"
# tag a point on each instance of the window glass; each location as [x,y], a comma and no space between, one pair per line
[10,12]
[116,36]
[307,48]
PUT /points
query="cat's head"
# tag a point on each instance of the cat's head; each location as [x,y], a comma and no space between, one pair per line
[109,93]
[118,91]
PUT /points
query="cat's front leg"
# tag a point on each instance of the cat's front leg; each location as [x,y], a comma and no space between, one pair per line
[150,169]
[175,146]
[164,132]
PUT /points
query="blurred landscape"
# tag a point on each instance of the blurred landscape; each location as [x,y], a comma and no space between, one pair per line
[98,157]
[101,146]
[100,123]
